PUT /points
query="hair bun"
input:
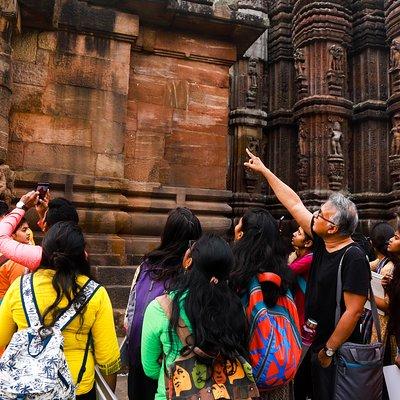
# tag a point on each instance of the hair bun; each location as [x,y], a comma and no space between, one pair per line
[58,256]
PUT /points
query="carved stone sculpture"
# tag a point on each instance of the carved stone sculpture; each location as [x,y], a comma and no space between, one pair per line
[395,148]
[251,95]
[337,55]
[303,172]
[299,62]
[7,177]
[250,178]
[335,76]
[336,136]
[395,54]
[302,138]
[300,67]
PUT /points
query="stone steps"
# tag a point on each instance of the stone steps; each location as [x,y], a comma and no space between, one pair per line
[117,280]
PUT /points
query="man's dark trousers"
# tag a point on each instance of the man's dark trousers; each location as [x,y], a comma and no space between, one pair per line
[323,379]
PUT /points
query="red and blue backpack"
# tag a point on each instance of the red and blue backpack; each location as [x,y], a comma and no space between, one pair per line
[275,342]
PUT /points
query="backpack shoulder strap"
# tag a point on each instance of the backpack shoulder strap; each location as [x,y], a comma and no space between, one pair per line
[29,304]
[80,301]
[182,330]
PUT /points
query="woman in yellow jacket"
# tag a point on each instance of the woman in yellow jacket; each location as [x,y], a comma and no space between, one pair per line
[64,270]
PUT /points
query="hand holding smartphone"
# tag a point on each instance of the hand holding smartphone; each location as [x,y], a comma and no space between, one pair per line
[42,188]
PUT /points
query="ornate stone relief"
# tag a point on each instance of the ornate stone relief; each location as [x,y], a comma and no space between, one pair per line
[394,158]
[335,76]
[394,70]
[303,163]
[300,67]
[252,91]
[336,166]
[251,178]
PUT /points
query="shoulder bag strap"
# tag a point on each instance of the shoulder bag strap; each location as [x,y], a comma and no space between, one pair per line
[339,288]
[29,304]
[182,330]
[85,356]
[80,301]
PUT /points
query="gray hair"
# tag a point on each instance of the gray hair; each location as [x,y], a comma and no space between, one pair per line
[346,216]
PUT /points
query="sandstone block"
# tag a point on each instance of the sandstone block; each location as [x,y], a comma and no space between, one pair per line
[193,122]
[154,65]
[91,73]
[142,170]
[42,57]
[108,137]
[27,98]
[202,73]
[54,157]
[53,130]
[25,46]
[197,176]
[209,100]
[15,156]
[149,145]
[130,144]
[29,73]
[47,40]
[93,46]
[154,117]
[195,45]
[110,165]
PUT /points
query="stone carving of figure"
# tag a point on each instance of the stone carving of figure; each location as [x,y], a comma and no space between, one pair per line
[395,54]
[251,95]
[302,138]
[395,149]
[336,136]
[337,57]
[299,62]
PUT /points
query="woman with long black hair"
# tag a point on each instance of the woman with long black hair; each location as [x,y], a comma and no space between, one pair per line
[204,302]
[64,271]
[258,248]
[159,269]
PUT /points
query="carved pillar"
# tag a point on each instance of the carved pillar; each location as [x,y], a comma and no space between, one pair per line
[392,8]
[368,150]
[321,41]
[281,139]
[247,119]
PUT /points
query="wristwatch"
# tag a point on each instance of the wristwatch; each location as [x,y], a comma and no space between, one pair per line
[21,205]
[329,352]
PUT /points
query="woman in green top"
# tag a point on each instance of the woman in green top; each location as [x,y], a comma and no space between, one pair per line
[206,304]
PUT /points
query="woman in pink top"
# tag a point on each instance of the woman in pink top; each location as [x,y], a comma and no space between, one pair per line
[57,210]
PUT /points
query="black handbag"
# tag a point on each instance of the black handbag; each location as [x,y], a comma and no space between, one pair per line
[359,367]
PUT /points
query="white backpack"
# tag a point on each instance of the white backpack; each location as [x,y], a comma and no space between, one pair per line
[33,366]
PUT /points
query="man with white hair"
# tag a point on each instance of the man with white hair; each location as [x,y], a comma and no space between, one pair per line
[331,228]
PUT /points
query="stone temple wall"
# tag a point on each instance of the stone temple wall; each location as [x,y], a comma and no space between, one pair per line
[123,107]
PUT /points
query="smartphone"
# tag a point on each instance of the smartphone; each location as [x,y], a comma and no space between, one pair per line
[42,188]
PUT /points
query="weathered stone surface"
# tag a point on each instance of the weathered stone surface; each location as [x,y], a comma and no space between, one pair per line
[110,165]
[29,74]
[25,46]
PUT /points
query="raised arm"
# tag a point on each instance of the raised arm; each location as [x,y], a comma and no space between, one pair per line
[25,254]
[289,199]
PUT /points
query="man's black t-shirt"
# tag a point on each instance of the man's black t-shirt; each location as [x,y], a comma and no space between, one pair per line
[321,288]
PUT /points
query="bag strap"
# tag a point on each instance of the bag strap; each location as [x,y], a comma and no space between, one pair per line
[339,288]
[182,330]
[79,302]
[85,356]
[29,304]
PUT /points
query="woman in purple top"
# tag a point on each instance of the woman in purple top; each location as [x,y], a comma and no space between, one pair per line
[159,268]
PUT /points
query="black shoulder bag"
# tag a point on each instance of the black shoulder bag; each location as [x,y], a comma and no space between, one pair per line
[359,372]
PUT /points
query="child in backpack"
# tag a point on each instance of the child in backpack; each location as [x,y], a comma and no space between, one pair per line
[11,270]
[258,248]
[64,271]
[202,302]
[159,268]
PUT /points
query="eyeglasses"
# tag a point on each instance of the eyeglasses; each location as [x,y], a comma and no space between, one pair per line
[318,214]
[192,243]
